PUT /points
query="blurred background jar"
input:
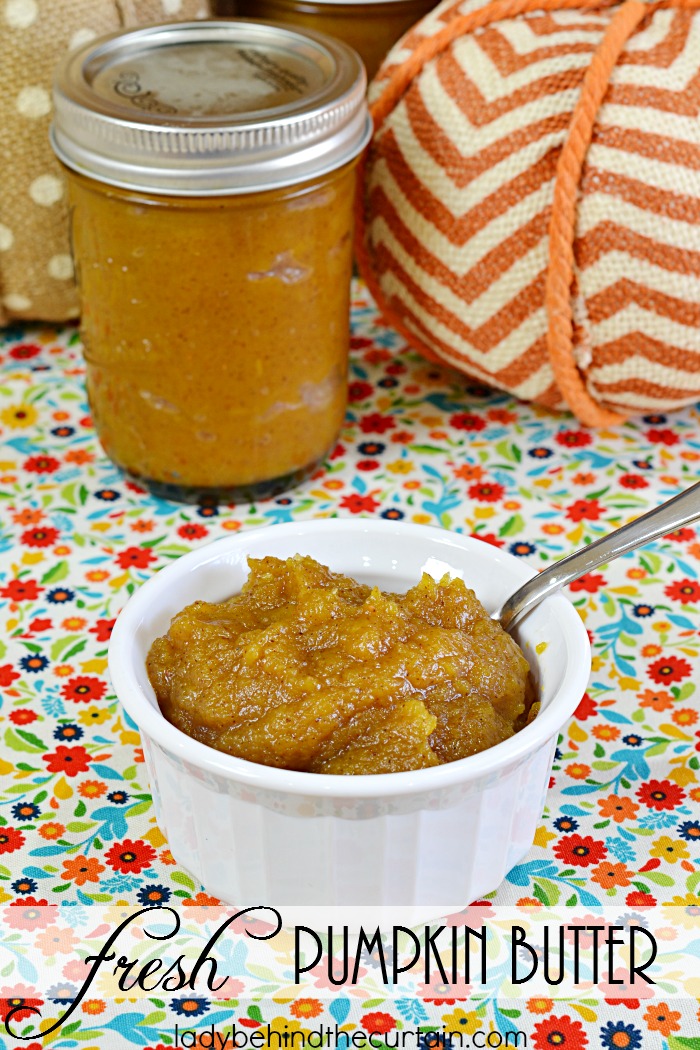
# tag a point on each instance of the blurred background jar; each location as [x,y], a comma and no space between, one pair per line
[211,171]
[371,27]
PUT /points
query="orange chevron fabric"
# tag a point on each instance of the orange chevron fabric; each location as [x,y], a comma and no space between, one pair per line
[530,212]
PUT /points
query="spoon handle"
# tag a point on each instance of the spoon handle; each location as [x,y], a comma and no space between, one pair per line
[671,515]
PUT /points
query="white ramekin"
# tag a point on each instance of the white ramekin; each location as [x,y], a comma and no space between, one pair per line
[434,838]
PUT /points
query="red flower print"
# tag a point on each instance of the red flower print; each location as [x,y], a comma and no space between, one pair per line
[84,688]
[501,415]
[625,992]
[559,1032]
[662,437]
[683,591]
[338,452]
[376,355]
[130,857]
[669,669]
[191,531]
[28,913]
[636,899]
[24,351]
[591,583]
[40,624]
[584,510]
[21,590]
[633,481]
[135,558]
[660,794]
[356,504]
[367,464]
[378,1022]
[42,464]
[103,629]
[8,675]
[68,760]
[359,342]
[11,839]
[681,535]
[575,849]
[573,438]
[486,492]
[467,421]
[489,537]
[22,716]
[39,537]
[586,709]
[359,391]
[18,1003]
[374,423]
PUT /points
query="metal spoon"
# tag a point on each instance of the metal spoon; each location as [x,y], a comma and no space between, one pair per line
[671,515]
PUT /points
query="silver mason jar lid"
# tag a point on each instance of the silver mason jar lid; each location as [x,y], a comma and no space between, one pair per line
[210,108]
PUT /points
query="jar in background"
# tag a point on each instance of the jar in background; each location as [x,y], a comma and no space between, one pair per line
[211,170]
[371,27]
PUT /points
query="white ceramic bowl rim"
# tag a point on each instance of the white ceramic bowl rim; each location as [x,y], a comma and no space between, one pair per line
[147,716]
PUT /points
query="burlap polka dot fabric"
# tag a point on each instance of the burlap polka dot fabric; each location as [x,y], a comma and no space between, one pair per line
[36,271]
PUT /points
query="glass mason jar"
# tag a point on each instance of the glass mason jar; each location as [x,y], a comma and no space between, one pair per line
[211,171]
[371,27]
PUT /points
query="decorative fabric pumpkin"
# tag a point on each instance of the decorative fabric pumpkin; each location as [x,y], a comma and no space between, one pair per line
[531,208]
[36,272]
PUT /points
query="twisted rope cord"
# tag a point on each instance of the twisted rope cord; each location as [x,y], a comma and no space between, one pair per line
[562,228]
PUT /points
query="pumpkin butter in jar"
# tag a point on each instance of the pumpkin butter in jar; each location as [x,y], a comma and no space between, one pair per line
[211,170]
[372,27]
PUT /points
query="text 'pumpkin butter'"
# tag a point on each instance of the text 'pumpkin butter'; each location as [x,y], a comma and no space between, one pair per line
[309,670]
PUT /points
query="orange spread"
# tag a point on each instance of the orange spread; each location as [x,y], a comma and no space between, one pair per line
[309,670]
[370,28]
[215,328]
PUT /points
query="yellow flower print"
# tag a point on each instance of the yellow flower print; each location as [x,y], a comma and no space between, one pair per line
[543,836]
[666,848]
[282,1025]
[685,911]
[19,416]
[400,466]
[93,715]
[462,1021]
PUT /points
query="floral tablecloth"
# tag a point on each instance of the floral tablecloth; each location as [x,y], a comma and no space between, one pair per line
[622,825]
